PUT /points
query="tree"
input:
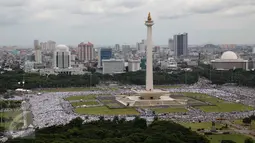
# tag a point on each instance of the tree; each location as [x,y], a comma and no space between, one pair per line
[248,140]
[247,120]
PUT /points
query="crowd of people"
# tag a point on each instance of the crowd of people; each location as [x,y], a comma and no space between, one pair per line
[51,108]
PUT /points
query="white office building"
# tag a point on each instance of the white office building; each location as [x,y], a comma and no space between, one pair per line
[134,65]
[61,57]
[112,66]
[48,46]
[170,63]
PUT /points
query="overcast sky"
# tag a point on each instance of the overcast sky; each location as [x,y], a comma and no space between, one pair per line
[106,22]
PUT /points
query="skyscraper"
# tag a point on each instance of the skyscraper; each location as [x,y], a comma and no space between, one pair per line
[38,52]
[103,54]
[61,57]
[181,45]
[48,47]
[86,52]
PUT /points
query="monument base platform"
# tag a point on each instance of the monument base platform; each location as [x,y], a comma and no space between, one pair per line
[145,98]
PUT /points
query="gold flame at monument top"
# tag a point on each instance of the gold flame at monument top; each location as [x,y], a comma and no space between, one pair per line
[149,16]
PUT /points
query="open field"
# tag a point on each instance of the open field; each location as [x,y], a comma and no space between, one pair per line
[205,125]
[240,122]
[83,97]
[106,111]
[234,137]
[74,104]
[12,115]
[168,110]
[220,105]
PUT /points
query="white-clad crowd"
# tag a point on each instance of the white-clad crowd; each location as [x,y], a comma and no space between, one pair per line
[51,109]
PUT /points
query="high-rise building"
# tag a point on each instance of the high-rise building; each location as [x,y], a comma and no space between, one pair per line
[38,52]
[48,46]
[253,50]
[61,57]
[181,45]
[86,52]
[104,54]
[142,46]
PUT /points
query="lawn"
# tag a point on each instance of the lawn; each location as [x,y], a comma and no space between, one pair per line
[168,110]
[205,125]
[220,105]
[234,137]
[106,111]
[166,86]
[11,114]
[240,122]
[83,97]
[84,103]
[69,89]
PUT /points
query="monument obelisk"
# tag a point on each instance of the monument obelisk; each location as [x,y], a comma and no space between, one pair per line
[149,70]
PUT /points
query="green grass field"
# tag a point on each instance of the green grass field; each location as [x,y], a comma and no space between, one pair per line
[70,89]
[168,110]
[240,122]
[106,111]
[166,86]
[220,105]
[83,97]
[234,137]
[11,114]
[84,103]
[205,125]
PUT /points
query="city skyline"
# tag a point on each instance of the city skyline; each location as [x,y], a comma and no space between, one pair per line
[71,22]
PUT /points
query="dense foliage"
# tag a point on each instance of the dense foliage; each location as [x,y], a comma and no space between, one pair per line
[116,131]
[10,80]
[238,76]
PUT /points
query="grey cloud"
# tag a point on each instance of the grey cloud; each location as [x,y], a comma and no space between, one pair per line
[13,3]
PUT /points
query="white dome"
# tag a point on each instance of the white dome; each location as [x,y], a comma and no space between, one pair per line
[62,47]
[229,55]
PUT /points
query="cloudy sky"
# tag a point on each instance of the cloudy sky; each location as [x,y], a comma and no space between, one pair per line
[106,22]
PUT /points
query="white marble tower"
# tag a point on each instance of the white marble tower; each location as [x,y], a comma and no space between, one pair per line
[149,70]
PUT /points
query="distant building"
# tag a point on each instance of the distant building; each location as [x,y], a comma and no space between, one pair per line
[126,50]
[134,65]
[229,60]
[253,50]
[141,47]
[104,54]
[171,44]
[117,47]
[113,66]
[38,52]
[170,63]
[61,57]
[181,45]
[86,52]
[48,47]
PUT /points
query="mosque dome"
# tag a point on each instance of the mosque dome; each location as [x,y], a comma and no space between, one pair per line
[62,47]
[229,55]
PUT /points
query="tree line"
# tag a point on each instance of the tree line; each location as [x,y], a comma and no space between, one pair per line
[13,79]
[238,76]
[115,131]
